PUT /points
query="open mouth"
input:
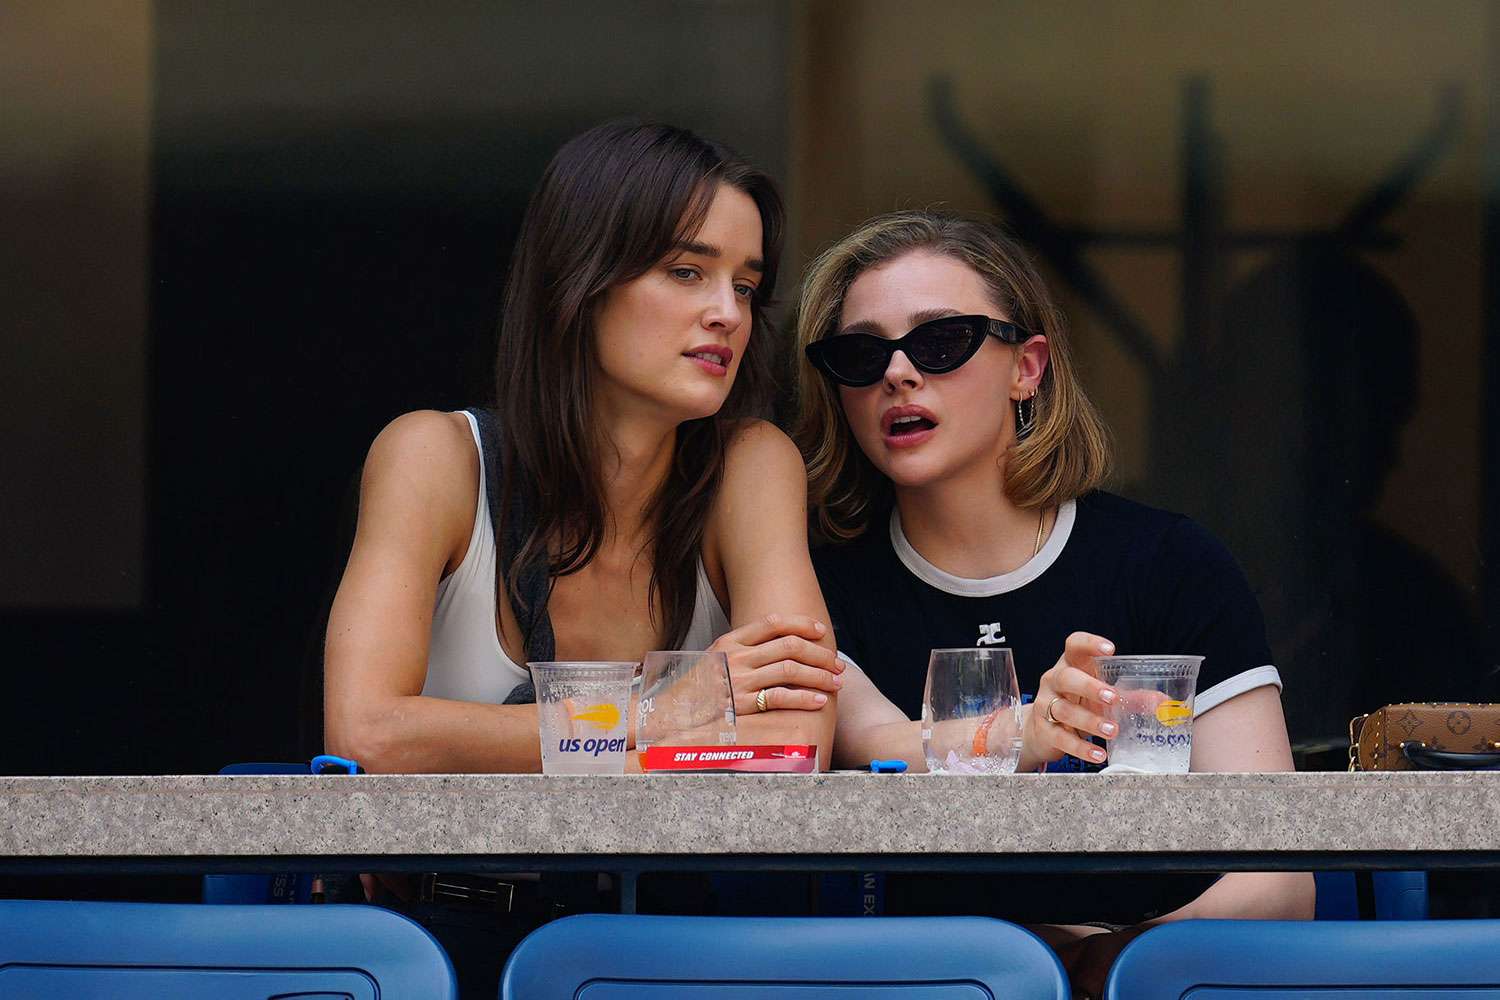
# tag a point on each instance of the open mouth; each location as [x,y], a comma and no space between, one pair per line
[907,423]
[906,426]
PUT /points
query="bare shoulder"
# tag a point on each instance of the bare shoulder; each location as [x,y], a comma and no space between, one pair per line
[765,483]
[435,446]
[760,448]
[423,468]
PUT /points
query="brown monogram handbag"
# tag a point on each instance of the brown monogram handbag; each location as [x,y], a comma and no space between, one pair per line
[1426,736]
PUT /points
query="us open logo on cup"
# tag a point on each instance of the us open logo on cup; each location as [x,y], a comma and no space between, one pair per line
[603,717]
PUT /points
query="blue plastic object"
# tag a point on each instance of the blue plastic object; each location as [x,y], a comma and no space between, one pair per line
[888,766]
[327,763]
[620,957]
[1284,959]
[177,951]
[1396,896]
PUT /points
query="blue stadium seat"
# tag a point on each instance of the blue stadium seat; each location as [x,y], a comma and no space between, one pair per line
[623,957]
[1393,896]
[1292,960]
[177,951]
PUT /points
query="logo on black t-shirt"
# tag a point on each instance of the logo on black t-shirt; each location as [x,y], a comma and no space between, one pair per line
[992,634]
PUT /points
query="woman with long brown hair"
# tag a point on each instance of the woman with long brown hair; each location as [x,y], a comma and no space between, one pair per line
[954,465]
[619,498]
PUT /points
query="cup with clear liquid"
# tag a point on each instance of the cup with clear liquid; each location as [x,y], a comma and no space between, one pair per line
[583,711]
[1154,710]
[971,712]
[686,700]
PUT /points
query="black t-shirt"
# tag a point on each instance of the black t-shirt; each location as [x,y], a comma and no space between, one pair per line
[1147,580]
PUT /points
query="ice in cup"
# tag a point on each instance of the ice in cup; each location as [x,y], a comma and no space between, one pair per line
[583,709]
[686,700]
[971,712]
[1154,711]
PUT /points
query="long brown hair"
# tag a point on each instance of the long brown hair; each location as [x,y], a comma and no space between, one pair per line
[1066,454]
[613,202]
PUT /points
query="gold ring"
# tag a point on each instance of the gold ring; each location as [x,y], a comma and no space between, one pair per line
[1048,714]
[760,701]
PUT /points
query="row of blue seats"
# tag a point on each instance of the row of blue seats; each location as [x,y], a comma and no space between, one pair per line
[171,951]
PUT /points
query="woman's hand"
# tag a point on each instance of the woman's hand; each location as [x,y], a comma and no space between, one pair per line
[1077,703]
[780,655]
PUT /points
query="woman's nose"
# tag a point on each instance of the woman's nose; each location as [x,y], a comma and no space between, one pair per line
[725,310]
[901,373]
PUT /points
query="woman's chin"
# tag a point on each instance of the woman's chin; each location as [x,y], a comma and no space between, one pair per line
[685,406]
[935,463]
[914,473]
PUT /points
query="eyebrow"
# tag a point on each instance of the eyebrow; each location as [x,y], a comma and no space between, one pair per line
[709,250]
[916,319]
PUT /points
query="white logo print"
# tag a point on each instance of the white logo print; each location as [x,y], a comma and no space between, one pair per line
[991,635]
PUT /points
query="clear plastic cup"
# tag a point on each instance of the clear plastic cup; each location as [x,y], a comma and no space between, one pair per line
[1154,711]
[971,712]
[686,700]
[584,713]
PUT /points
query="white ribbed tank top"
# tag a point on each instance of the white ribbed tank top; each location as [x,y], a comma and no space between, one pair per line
[465,661]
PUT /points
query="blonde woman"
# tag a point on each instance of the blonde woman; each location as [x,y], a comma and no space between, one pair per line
[954,467]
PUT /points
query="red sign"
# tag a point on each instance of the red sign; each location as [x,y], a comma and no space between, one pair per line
[797,758]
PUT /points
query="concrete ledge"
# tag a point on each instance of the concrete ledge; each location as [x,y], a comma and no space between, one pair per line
[373,815]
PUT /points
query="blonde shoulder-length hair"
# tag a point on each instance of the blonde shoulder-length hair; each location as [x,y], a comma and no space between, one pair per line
[1066,454]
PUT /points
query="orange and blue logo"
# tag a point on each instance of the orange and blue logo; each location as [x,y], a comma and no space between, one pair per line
[604,717]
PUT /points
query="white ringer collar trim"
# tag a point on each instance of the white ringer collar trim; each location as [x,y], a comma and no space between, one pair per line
[1233,687]
[991,586]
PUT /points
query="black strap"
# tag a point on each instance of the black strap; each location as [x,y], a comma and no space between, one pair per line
[533,581]
[1427,758]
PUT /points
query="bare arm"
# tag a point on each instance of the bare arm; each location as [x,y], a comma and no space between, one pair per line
[871,727]
[757,532]
[1247,733]
[417,502]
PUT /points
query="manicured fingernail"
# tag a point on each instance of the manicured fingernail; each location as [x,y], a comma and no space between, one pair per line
[820,698]
[1106,647]
[1107,728]
[838,680]
[820,627]
[1097,754]
[1107,695]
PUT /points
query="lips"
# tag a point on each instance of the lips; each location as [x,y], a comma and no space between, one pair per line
[899,421]
[712,358]
[907,426]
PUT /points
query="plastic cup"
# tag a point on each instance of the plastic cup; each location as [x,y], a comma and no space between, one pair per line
[584,713]
[686,700]
[971,712]
[1154,711]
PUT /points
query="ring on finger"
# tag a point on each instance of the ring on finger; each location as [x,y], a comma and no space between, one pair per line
[1048,714]
[760,701]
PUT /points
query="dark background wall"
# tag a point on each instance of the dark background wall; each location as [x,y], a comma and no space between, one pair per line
[333,190]
[236,239]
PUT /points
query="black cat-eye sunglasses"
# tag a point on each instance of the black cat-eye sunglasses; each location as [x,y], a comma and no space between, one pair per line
[935,347]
